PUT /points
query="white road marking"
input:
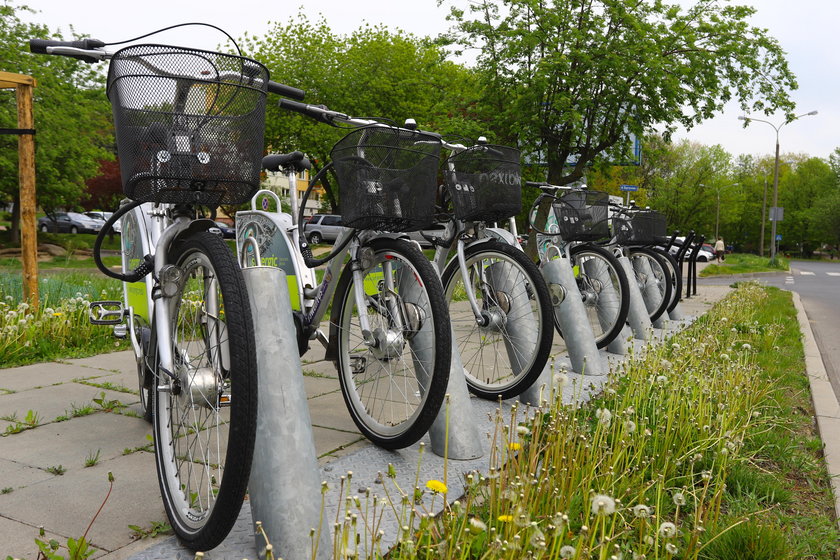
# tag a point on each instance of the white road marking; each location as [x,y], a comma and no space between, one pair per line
[833,273]
[789,280]
[806,273]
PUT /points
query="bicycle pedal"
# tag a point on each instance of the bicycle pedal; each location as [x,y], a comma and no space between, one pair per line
[107,312]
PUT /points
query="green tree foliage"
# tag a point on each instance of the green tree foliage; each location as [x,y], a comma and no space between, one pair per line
[71,117]
[803,195]
[571,78]
[374,72]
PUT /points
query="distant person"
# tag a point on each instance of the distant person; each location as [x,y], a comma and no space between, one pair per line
[720,250]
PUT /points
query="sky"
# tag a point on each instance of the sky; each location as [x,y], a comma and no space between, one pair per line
[804,29]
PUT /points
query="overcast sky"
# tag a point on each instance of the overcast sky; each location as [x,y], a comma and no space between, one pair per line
[804,29]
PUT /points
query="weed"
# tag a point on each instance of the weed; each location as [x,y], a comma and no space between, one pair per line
[7,490]
[107,385]
[108,405]
[156,528]
[92,458]
[78,411]
[748,540]
[57,470]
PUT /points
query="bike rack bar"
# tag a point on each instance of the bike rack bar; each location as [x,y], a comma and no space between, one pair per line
[693,264]
[285,493]
[681,257]
[637,317]
[460,439]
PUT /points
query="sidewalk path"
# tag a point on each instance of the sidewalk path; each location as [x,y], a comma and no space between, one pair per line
[71,429]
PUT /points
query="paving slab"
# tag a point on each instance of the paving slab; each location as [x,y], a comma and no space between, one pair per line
[57,400]
[41,375]
[319,386]
[18,539]
[14,474]
[115,361]
[329,411]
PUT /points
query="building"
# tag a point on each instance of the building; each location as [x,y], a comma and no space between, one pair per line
[279,183]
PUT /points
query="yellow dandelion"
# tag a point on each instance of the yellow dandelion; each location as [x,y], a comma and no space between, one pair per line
[58,314]
[505,518]
[514,446]
[436,486]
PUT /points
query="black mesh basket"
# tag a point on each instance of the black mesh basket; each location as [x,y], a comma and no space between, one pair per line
[582,215]
[189,124]
[387,178]
[640,227]
[485,183]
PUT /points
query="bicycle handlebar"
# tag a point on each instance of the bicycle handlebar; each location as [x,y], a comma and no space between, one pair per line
[85,49]
[284,90]
[320,113]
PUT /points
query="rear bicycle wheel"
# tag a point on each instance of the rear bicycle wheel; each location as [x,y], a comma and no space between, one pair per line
[654,280]
[205,409]
[394,376]
[605,291]
[673,271]
[506,355]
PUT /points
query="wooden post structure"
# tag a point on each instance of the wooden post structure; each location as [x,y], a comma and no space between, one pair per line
[26,174]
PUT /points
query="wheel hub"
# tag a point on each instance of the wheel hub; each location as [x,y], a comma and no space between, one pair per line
[199,385]
[389,344]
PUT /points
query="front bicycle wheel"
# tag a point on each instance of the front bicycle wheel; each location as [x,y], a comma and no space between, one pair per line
[205,408]
[604,289]
[654,280]
[504,352]
[394,373]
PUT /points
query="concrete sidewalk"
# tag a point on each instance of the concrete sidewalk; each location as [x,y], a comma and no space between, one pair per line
[45,479]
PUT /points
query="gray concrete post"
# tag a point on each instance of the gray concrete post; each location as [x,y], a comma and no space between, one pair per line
[638,315]
[651,293]
[460,439]
[676,314]
[571,314]
[284,487]
[609,298]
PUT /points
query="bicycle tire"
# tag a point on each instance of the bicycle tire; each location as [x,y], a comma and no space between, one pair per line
[509,361]
[607,303]
[205,411]
[659,282]
[394,389]
[676,278]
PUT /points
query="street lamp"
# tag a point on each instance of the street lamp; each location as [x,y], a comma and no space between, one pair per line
[775,177]
[717,212]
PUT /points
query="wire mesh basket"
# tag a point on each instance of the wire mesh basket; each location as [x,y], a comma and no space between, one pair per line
[387,178]
[485,183]
[189,124]
[582,215]
[640,227]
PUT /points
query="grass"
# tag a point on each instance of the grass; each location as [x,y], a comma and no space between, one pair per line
[703,449]
[744,263]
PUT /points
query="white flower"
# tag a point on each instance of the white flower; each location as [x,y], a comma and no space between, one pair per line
[724,357]
[630,426]
[670,548]
[661,379]
[602,505]
[567,551]
[667,365]
[561,380]
[679,498]
[667,529]
[746,346]
[604,416]
[477,526]
[523,431]
[641,510]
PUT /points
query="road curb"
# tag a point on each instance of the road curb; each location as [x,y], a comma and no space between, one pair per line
[826,407]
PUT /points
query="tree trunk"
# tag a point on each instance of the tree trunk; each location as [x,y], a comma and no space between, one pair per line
[15,231]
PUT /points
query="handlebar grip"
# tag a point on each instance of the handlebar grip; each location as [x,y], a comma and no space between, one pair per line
[313,112]
[39,46]
[287,91]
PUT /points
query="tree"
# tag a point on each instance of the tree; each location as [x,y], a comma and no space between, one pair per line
[571,79]
[803,195]
[374,72]
[71,118]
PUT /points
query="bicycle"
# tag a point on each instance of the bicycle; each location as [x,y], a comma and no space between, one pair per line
[389,331]
[574,221]
[189,129]
[499,303]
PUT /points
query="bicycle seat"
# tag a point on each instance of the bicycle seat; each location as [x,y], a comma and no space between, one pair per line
[294,160]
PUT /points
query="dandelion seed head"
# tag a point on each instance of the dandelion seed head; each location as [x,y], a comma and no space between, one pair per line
[567,551]
[679,498]
[667,529]
[602,505]
[670,548]
[477,526]
[641,510]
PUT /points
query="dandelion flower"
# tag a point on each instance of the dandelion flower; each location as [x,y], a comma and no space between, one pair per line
[666,364]
[661,379]
[602,505]
[630,426]
[746,346]
[604,416]
[436,486]
[679,499]
[561,380]
[477,526]
[667,529]
[523,431]
[670,548]
[724,357]
[567,551]
[505,518]
[641,510]
[514,446]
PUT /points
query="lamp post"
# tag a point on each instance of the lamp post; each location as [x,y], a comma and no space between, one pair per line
[775,177]
[717,212]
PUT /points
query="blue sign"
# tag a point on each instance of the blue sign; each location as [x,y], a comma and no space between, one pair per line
[629,188]
[778,237]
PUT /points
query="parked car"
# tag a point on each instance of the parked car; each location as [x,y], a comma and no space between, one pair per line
[322,227]
[69,222]
[226,231]
[705,254]
[100,215]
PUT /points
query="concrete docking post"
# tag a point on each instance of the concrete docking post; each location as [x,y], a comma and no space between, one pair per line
[608,303]
[284,487]
[638,316]
[651,293]
[461,439]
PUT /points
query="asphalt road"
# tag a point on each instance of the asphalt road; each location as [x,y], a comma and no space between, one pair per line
[818,285]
